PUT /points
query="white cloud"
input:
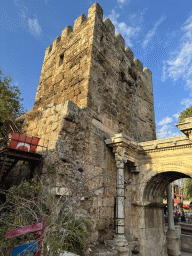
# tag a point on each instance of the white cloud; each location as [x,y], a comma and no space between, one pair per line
[121,27]
[34,26]
[165,120]
[151,33]
[16,2]
[136,19]
[176,115]
[23,14]
[180,63]
[167,131]
[187,102]
[121,1]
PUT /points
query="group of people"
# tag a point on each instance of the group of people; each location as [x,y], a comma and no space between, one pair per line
[182,215]
[178,215]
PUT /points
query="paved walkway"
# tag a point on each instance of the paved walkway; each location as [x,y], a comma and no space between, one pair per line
[186,254]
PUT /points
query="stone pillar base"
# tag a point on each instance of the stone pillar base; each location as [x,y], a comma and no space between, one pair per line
[120,243]
[173,243]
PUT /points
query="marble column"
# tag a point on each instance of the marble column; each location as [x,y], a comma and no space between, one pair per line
[120,144]
[120,195]
[170,208]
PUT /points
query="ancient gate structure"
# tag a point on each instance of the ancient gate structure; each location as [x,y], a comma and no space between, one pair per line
[94,103]
[150,167]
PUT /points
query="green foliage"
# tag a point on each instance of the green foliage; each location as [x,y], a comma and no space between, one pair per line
[188,188]
[24,206]
[19,211]
[10,106]
[75,239]
[53,168]
[180,204]
[186,113]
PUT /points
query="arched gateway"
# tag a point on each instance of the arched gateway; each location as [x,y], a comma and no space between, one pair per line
[149,167]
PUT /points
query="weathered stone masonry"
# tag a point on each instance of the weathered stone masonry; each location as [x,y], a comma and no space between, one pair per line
[90,66]
[91,88]
[94,103]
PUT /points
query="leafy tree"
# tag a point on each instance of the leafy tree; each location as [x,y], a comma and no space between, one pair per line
[10,106]
[186,113]
[188,188]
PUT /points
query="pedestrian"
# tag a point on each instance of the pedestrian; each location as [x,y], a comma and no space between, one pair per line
[176,217]
[182,216]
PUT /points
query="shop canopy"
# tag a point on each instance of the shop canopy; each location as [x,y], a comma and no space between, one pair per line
[179,195]
[176,201]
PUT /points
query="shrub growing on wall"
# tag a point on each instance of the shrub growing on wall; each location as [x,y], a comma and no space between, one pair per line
[26,203]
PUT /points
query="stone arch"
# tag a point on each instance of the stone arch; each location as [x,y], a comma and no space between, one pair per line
[151,208]
[156,182]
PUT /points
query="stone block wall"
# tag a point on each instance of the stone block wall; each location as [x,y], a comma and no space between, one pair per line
[89,65]
[186,243]
[91,87]
[22,171]
[73,134]
[120,89]
[65,70]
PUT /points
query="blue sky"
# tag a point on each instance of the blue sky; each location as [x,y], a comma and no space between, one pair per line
[158,32]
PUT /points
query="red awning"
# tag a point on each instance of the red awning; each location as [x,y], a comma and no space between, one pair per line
[179,195]
[24,143]
[176,201]
[185,206]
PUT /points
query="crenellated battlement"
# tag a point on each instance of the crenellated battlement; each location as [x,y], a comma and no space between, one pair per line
[79,21]
[90,65]
[96,12]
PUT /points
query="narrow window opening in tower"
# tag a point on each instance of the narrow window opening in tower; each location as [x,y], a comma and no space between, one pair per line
[61,59]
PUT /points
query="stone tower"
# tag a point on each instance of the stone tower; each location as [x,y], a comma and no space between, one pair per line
[90,65]
[94,104]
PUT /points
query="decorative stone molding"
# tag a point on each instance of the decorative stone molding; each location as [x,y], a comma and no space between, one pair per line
[165,144]
[186,127]
[120,156]
[127,150]
[124,149]
[147,204]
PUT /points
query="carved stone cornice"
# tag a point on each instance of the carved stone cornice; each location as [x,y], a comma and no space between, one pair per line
[147,204]
[186,127]
[165,144]
[124,148]
[124,141]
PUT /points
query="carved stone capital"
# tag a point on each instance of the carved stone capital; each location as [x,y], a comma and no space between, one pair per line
[121,154]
